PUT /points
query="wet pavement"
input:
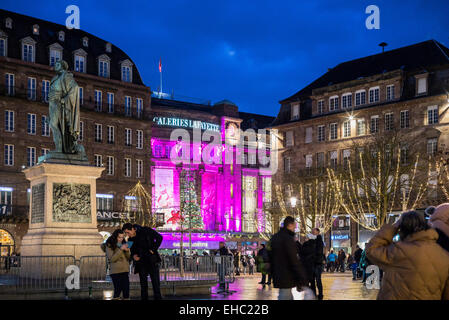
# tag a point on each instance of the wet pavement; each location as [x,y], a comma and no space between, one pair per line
[336,286]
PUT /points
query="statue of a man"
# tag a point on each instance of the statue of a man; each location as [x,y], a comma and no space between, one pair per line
[64,110]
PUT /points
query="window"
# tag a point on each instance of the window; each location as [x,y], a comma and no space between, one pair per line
[128,137]
[105,202]
[31,156]
[98,160]
[167,155]
[309,135]
[404,155]
[333,159]
[139,165]
[81,95]
[85,42]
[31,89]
[333,103]
[295,111]
[309,161]
[36,29]
[373,95]
[61,35]
[320,160]
[127,167]
[389,122]
[405,119]
[98,132]
[103,68]
[98,100]
[31,123]
[346,158]
[140,140]
[110,134]
[126,73]
[110,102]
[361,128]
[321,133]
[287,164]
[346,100]
[44,151]
[108,47]
[158,151]
[320,106]
[432,146]
[9,121]
[9,155]
[45,90]
[8,23]
[374,128]
[80,62]
[432,114]
[110,166]
[9,82]
[28,52]
[422,85]
[333,131]
[289,138]
[45,126]
[81,136]
[360,97]
[55,55]
[3,47]
[139,107]
[390,92]
[127,106]
[347,129]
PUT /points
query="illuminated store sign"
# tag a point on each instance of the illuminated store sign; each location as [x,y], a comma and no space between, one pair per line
[173,244]
[109,215]
[185,123]
[340,237]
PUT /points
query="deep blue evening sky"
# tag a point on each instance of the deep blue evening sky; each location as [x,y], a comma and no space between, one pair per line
[252,52]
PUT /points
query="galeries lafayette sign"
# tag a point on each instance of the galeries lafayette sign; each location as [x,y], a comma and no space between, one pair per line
[185,123]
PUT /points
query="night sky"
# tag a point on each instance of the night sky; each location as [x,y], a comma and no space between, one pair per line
[253,53]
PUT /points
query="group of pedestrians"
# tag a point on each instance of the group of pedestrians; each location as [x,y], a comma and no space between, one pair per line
[244,263]
[140,249]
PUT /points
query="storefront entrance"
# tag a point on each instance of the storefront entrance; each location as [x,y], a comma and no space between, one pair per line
[7,245]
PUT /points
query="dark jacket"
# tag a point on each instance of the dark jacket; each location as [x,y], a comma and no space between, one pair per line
[358,255]
[307,253]
[319,248]
[286,268]
[224,252]
[263,260]
[146,239]
[443,239]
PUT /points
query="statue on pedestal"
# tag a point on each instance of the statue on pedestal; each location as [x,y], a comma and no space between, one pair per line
[64,114]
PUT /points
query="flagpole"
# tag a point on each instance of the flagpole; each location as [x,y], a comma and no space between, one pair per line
[160,73]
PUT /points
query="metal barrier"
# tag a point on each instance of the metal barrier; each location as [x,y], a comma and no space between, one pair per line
[48,273]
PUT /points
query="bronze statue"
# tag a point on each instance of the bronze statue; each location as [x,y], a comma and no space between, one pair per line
[64,111]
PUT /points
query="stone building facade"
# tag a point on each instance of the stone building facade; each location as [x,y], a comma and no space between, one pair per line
[402,89]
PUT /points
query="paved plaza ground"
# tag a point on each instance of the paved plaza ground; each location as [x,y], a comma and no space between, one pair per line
[336,286]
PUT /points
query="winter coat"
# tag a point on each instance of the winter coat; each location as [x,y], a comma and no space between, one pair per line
[118,260]
[319,247]
[263,259]
[440,221]
[286,268]
[358,255]
[146,239]
[415,268]
[307,255]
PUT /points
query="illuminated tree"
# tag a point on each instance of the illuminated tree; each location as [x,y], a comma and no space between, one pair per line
[138,206]
[380,175]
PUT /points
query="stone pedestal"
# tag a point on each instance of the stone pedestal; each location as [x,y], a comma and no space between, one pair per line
[63,219]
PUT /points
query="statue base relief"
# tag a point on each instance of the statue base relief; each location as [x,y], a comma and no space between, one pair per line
[63,217]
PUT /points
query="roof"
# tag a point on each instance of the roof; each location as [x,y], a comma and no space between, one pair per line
[422,55]
[182,105]
[255,121]
[48,34]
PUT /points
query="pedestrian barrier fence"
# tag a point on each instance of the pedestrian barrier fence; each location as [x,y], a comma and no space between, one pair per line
[48,273]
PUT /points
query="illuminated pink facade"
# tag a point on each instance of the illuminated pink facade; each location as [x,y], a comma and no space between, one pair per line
[229,194]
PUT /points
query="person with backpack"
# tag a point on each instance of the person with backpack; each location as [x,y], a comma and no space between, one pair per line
[118,255]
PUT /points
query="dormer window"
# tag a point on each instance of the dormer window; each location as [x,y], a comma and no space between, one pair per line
[80,57]
[127,70]
[85,41]
[3,44]
[36,29]
[103,66]
[61,36]
[108,47]
[28,52]
[55,53]
[295,111]
[8,23]
[421,84]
